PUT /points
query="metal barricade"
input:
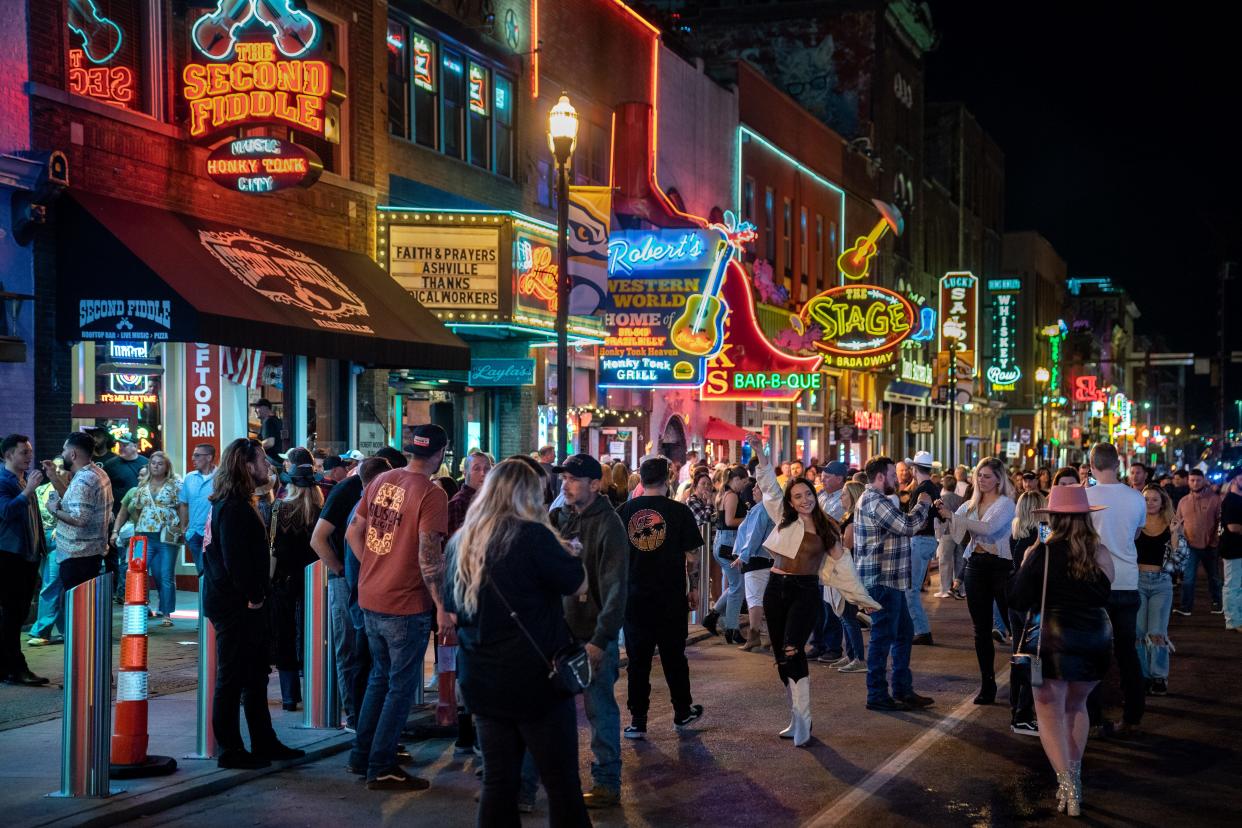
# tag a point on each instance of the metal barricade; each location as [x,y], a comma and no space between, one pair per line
[321,707]
[86,721]
[205,737]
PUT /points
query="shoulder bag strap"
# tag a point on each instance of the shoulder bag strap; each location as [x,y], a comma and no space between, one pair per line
[1043,601]
[513,614]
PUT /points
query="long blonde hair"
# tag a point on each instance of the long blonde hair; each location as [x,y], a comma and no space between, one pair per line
[1024,518]
[1166,503]
[144,476]
[1004,486]
[512,494]
[1081,541]
[301,505]
[854,490]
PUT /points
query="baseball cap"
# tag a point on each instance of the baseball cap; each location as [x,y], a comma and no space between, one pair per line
[1029,475]
[581,465]
[127,439]
[353,455]
[298,456]
[653,471]
[426,440]
[332,462]
[837,468]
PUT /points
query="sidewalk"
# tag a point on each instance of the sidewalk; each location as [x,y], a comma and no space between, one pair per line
[30,752]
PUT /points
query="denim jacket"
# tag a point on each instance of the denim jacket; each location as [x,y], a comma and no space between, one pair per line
[21,529]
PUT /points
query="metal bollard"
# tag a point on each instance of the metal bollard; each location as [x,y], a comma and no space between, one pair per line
[420,688]
[205,737]
[321,702]
[705,577]
[86,721]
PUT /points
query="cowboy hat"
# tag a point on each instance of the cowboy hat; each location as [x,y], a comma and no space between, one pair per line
[1068,500]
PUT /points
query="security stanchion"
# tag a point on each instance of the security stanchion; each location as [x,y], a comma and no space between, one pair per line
[205,737]
[321,702]
[129,741]
[86,721]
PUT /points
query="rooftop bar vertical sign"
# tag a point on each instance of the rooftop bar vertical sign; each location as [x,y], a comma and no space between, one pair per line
[202,396]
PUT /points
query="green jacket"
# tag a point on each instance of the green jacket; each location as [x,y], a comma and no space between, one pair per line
[597,616]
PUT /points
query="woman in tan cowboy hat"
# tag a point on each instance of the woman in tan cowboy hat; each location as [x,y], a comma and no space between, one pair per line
[1076,635]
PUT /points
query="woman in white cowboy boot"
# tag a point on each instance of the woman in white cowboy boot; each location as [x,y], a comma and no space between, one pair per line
[806,550]
[1066,581]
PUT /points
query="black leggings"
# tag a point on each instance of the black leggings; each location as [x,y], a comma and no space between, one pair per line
[791,605]
[986,578]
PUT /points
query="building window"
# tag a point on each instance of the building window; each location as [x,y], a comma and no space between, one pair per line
[398,79]
[330,147]
[109,53]
[425,71]
[504,126]
[769,225]
[819,252]
[787,243]
[804,251]
[453,104]
[480,115]
[748,199]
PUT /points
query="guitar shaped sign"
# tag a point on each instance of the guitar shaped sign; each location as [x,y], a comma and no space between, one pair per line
[700,329]
[293,31]
[101,37]
[855,262]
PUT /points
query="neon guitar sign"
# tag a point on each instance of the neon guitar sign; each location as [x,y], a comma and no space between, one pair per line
[294,32]
[700,328]
[855,262]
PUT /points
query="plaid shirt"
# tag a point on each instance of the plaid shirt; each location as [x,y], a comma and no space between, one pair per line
[882,540]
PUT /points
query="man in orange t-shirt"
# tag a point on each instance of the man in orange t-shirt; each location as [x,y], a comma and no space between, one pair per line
[397,535]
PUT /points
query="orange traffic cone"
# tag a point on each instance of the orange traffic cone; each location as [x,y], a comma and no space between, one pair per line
[129,737]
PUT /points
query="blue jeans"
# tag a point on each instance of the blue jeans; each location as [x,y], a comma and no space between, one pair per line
[346,643]
[195,544]
[604,716]
[891,633]
[730,600]
[826,637]
[853,632]
[51,597]
[398,645]
[1210,558]
[1233,594]
[922,550]
[1155,591]
[161,566]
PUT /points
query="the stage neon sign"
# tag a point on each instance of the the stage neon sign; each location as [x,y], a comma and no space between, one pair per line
[860,326]
[257,87]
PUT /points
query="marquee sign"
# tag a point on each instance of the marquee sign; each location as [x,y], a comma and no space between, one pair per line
[860,326]
[959,297]
[447,267]
[262,165]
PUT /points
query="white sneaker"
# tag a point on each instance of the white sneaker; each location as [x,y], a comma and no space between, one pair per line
[942,595]
[855,666]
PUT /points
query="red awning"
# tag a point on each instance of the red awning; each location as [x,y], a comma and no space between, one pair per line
[718,429]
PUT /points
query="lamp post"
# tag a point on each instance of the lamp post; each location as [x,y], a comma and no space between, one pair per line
[562,137]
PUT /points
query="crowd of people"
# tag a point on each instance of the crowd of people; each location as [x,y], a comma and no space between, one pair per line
[539,573]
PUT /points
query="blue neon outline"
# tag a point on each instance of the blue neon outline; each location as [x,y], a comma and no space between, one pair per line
[309,45]
[232,31]
[106,21]
[314,41]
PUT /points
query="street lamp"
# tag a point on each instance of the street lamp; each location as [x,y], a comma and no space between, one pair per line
[562,138]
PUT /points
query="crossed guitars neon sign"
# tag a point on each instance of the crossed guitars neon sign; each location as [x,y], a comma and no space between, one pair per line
[293,31]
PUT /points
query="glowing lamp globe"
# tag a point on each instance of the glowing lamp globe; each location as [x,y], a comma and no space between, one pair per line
[562,128]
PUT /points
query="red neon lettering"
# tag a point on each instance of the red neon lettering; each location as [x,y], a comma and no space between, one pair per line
[111,84]
[256,87]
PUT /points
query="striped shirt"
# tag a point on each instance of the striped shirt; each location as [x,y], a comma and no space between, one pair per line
[882,533]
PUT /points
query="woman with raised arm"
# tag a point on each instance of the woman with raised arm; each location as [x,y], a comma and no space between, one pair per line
[807,552]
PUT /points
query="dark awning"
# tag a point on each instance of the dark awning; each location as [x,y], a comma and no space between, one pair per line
[128,271]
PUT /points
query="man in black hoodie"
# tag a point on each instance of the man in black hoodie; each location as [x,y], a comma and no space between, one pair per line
[588,522]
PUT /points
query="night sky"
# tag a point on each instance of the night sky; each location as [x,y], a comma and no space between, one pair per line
[1121,146]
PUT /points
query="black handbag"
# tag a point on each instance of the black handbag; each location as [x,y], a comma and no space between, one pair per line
[1032,635]
[569,668]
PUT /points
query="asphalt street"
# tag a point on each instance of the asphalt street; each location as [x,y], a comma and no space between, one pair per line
[952,764]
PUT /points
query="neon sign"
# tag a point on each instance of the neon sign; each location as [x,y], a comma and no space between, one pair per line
[700,328]
[293,31]
[478,89]
[859,326]
[1004,370]
[258,87]
[101,36]
[1086,389]
[537,275]
[129,383]
[762,381]
[424,66]
[866,420]
[855,262]
[129,350]
[111,84]
[958,307]
[262,165]
[629,251]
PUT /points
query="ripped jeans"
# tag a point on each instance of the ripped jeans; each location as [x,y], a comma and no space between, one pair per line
[1155,591]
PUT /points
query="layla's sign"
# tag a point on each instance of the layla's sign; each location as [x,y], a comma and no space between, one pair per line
[447,267]
[859,326]
[262,165]
[501,372]
[258,86]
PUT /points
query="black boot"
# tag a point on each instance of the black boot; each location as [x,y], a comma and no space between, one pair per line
[709,622]
[276,751]
[987,693]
